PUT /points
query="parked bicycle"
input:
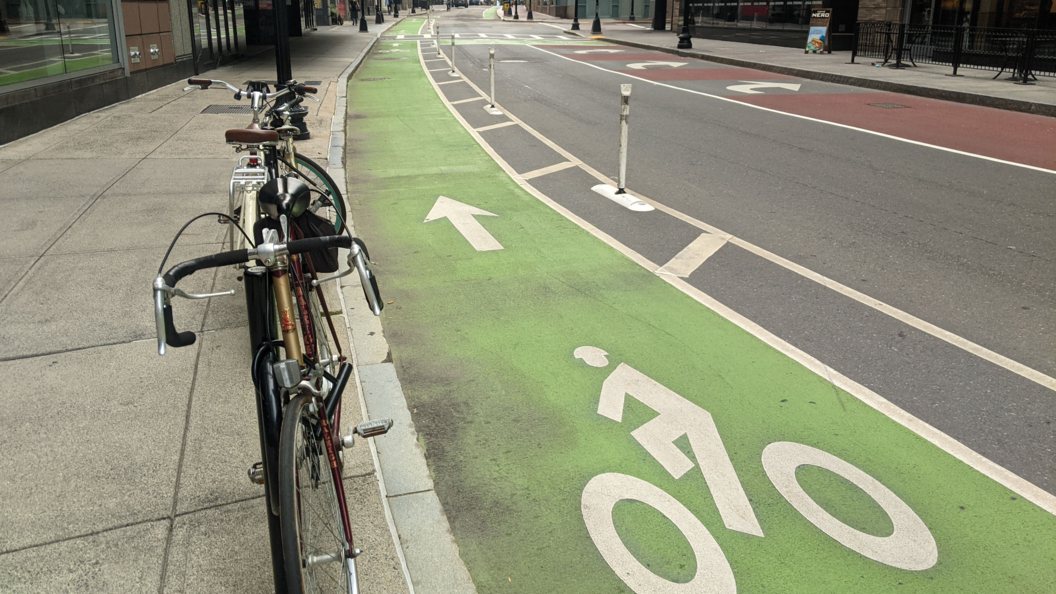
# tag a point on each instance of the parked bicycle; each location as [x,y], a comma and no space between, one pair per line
[268,142]
[299,369]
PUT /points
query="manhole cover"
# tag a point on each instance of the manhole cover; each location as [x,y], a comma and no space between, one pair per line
[372,79]
[228,110]
[384,59]
[888,105]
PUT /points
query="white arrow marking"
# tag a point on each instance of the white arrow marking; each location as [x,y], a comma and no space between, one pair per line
[751,86]
[461,216]
[599,51]
[645,65]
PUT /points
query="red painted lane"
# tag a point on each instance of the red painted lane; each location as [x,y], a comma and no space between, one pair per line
[723,73]
[1008,135]
[578,47]
[642,57]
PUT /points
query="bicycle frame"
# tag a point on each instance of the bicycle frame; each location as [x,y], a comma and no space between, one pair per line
[278,282]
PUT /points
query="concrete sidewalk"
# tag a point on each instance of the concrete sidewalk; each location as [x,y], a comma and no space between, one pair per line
[976,87]
[123,471]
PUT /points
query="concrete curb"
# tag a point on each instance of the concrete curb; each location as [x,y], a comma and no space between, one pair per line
[425,545]
[842,79]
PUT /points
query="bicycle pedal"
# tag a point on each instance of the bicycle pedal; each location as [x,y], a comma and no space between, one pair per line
[373,428]
[256,473]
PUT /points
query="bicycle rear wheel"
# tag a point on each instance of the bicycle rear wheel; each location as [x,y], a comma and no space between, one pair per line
[327,200]
[314,545]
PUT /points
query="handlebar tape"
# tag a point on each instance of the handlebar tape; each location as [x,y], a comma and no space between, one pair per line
[201,82]
[184,269]
[177,339]
[319,243]
[172,337]
[311,90]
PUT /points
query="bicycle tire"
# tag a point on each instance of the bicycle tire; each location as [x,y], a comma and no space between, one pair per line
[313,534]
[311,170]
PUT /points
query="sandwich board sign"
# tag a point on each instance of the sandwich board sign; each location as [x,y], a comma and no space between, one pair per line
[818,38]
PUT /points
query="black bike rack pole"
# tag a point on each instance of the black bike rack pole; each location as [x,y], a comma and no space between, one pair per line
[958,44]
[898,45]
[283,65]
[269,412]
[1028,58]
[854,46]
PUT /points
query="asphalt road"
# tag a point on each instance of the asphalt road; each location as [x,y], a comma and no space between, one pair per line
[961,238]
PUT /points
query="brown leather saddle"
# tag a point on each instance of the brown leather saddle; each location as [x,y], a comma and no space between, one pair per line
[251,135]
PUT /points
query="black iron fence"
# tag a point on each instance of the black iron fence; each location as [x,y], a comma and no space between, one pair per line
[1024,53]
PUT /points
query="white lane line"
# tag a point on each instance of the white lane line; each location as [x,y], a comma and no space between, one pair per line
[904,317]
[439,69]
[484,35]
[1001,475]
[400,36]
[693,255]
[536,36]
[468,100]
[949,337]
[545,170]
[436,60]
[508,36]
[493,126]
[450,82]
[802,117]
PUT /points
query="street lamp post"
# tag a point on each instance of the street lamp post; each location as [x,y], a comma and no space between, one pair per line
[575,15]
[413,2]
[595,27]
[396,9]
[379,10]
[529,17]
[632,11]
[683,37]
[516,17]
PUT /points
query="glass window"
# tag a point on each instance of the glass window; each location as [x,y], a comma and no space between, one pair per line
[53,37]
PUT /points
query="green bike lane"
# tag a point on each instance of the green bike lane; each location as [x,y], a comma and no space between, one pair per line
[590,428]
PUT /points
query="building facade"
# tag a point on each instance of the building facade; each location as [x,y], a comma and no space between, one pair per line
[63,58]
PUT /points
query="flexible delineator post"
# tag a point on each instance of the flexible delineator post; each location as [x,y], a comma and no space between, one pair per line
[625,113]
[491,68]
[453,55]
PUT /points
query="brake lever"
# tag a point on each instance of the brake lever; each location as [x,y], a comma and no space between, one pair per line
[181,293]
[161,299]
[313,97]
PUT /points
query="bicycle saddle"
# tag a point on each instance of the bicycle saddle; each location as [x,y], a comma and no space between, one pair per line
[251,135]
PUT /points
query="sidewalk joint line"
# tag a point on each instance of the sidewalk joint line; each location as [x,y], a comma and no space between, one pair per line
[219,505]
[183,443]
[410,493]
[83,535]
[71,350]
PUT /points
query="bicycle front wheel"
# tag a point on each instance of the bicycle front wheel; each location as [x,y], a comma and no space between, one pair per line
[313,531]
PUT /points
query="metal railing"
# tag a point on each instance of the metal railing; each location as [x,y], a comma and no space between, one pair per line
[1025,53]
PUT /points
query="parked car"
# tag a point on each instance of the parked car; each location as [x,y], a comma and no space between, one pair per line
[460,3]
